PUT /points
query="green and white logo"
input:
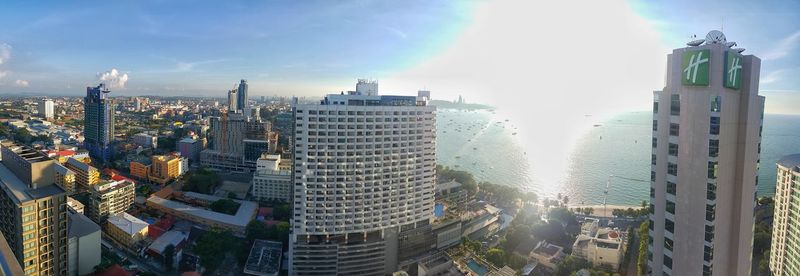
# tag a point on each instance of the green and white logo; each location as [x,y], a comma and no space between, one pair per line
[695,67]
[733,70]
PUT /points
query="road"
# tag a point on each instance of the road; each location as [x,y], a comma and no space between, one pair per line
[634,254]
[142,264]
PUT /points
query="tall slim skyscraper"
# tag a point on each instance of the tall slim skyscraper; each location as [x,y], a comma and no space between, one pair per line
[364,175]
[233,100]
[47,109]
[706,146]
[785,248]
[242,100]
[98,123]
[33,215]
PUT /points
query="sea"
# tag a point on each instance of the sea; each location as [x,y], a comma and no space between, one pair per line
[598,153]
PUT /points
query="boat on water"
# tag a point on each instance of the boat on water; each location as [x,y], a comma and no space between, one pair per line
[514,133]
[597,125]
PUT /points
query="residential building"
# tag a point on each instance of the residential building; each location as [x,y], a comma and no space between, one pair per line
[547,254]
[33,215]
[86,176]
[242,100]
[46,109]
[237,141]
[126,229]
[110,198]
[190,148]
[236,223]
[8,262]
[98,123]
[381,150]
[75,206]
[65,178]
[83,238]
[233,101]
[145,140]
[706,144]
[264,258]
[785,249]
[174,238]
[140,169]
[270,181]
[602,247]
[164,168]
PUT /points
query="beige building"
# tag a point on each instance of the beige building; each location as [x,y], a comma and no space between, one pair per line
[33,215]
[164,168]
[86,176]
[706,145]
[272,179]
[110,198]
[785,248]
[126,229]
[604,247]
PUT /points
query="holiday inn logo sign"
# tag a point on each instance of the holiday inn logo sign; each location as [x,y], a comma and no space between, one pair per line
[733,70]
[695,67]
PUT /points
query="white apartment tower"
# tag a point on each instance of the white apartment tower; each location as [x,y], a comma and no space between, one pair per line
[364,174]
[706,146]
[272,179]
[47,109]
[785,247]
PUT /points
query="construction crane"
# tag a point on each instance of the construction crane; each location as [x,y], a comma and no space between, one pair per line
[608,183]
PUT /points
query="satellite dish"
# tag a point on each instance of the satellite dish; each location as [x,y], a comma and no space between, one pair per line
[738,50]
[730,44]
[715,37]
[695,42]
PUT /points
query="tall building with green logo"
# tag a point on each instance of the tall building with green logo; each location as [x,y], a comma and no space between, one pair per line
[705,154]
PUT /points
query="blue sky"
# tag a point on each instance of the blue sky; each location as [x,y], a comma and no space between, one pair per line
[314,47]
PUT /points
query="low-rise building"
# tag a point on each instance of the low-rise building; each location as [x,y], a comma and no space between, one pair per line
[264,258]
[146,140]
[86,176]
[604,248]
[139,170]
[235,223]
[158,247]
[65,178]
[75,206]
[110,198]
[83,249]
[548,254]
[270,181]
[126,229]
[452,192]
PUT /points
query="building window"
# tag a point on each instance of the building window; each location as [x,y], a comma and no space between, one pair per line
[670,207]
[712,169]
[711,191]
[655,125]
[667,261]
[716,103]
[713,148]
[652,176]
[652,208]
[714,127]
[669,225]
[708,253]
[655,142]
[709,233]
[672,169]
[675,105]
[673,149]
[655,106]
[674,129]
[706,270]
[652,192]
[653,160]
[710,210]
[668,243]
[671,188]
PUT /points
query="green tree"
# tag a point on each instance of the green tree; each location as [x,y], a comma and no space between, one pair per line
[169,256]
[496,256]
[571,264]
[516,262]
[225,205]
[282,212]
[641,260]
[563,215]
[212,247]
[256,230]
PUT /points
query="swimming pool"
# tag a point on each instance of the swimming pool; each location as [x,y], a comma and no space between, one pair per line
[438,210]
[477,268]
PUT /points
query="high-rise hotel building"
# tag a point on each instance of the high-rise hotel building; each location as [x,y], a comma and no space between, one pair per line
[98,123]
[705,158]
[363,179]
[33,211]
[784,257]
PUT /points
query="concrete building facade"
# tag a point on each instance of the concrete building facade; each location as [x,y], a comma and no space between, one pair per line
[271,181]
[46,109]
[86,176]
[83,238]
[706,145]
[98,123]
[784,257]
[364,175]
[110,198]
[237,141]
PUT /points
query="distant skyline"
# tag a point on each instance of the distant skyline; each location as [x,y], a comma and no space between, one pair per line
[520,55]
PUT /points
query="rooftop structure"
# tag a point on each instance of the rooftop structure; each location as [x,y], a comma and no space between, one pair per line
[127,223]
[237,222]
[174,238]
[264,258]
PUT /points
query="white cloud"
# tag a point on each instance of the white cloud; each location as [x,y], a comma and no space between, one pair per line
[21,83]
[113,78]
[783,48]
[5,52]
[772,77]
[3,74]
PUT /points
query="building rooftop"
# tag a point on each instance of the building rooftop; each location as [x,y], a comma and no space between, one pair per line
[79,225]
[170,237]
[108,186]
[790,161]
[264,258]
[127,223]
[80,165]
[29,154]
[19,191]
[447,186]
[61,169]
[243,215]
